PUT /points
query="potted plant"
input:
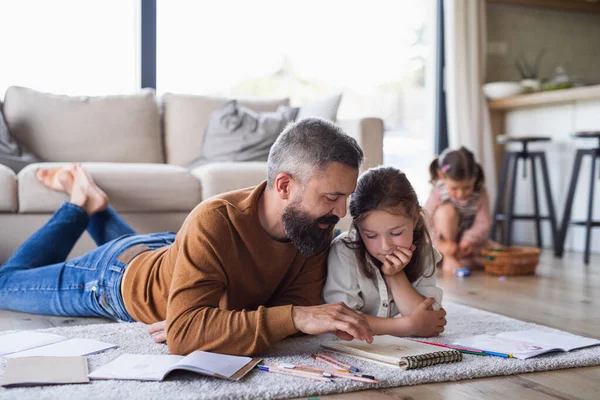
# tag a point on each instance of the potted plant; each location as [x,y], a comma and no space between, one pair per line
[530,79]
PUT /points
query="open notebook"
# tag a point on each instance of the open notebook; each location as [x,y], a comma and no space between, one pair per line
[395,351]
[32,344]
[157,367]
[528,343]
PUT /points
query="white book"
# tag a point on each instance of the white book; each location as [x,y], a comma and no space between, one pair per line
[31,344]
[528,343]
[157,367]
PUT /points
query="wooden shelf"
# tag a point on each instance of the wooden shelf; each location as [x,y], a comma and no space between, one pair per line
[586,6]
[544,98]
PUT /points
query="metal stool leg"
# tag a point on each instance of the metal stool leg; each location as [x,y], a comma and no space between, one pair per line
[549,201]
[507,237]
[589,222]
[500,195]
[536,206]
[560,243]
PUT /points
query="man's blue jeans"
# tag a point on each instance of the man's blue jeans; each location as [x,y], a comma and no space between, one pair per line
[37,279]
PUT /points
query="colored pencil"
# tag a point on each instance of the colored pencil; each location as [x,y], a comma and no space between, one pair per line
[298,374]
[333,360]
[493,353]
[340,374]
[464,350]
[326,362]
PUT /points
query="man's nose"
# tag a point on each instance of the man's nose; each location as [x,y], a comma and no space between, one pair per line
[340,209]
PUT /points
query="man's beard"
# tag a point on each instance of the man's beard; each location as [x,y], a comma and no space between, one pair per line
[304,231]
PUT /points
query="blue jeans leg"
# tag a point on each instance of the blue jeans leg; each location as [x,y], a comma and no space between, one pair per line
[107,225]
[37,279]
[53,242]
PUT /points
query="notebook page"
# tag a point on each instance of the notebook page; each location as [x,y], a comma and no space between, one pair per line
[136,367]
[213,363]
[70,347]
[26,340]
[564,341]
[518,348]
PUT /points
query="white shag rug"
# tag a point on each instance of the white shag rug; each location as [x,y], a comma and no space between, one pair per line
[132,338]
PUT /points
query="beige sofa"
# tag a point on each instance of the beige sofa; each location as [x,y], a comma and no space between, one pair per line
[136,148]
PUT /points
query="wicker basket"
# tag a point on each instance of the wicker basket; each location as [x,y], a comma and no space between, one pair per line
[511,260]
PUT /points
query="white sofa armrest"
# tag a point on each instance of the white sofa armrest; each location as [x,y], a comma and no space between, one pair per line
[221,177]
[368,132]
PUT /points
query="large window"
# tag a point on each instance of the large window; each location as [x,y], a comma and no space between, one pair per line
[70,46]
[376,53]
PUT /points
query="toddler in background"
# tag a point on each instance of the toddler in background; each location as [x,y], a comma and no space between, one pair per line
[459,207]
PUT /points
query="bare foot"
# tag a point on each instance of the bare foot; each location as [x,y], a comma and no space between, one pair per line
[59,178]
[449,264]
[85,193]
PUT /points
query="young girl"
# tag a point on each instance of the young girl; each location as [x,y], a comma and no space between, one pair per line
[460,209]
[384,267]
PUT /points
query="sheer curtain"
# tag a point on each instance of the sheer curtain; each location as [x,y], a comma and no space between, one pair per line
[468,116]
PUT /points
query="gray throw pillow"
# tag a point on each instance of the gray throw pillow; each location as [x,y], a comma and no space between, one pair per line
[11,153]
[237,133]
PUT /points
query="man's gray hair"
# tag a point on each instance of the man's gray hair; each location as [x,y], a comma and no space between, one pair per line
[307,146]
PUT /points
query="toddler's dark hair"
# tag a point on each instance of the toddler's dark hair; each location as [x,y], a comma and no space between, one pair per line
[457,165]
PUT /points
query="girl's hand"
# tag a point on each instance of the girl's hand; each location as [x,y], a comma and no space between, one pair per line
[425,322]
[396,261]
[465,248]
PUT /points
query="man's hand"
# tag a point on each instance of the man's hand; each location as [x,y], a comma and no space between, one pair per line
[337,318]
[465,248]
[425,322]
[158,331]
[396,261]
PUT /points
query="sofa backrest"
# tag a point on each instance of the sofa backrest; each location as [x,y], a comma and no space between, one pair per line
[108,129]
[185,119]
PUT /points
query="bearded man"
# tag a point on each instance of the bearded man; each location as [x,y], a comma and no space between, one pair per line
[245,270]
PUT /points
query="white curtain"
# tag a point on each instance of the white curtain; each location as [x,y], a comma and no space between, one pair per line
[467,112]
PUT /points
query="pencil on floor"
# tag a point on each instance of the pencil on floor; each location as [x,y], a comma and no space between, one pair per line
[298,374]
[333,360]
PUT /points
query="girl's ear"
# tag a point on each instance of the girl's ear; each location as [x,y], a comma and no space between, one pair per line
[440,175]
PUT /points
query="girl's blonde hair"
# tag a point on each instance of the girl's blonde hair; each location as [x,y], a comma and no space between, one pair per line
[388,189]
[457,165]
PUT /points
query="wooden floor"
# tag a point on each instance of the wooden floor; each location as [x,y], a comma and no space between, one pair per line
[564,294]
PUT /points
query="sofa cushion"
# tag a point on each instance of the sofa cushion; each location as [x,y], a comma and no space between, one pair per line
[236,133]
[130,188]
[224,177]
[186,119]
[104,129]
[8,190]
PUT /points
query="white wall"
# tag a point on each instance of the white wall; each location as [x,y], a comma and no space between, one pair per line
[558,122]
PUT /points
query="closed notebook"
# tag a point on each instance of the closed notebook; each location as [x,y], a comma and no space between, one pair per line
[33,371]
[395,351]
[157,367]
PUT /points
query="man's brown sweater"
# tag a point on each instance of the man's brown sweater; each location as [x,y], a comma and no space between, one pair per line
[224,285]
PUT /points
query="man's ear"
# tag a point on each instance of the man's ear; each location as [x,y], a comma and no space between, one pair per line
[282,185]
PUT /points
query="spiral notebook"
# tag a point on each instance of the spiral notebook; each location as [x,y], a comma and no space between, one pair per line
[395,351]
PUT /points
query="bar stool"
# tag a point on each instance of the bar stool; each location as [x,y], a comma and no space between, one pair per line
[509,165]
[594,153]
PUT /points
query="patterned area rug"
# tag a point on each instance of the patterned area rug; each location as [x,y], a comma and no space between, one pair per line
[132,338]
